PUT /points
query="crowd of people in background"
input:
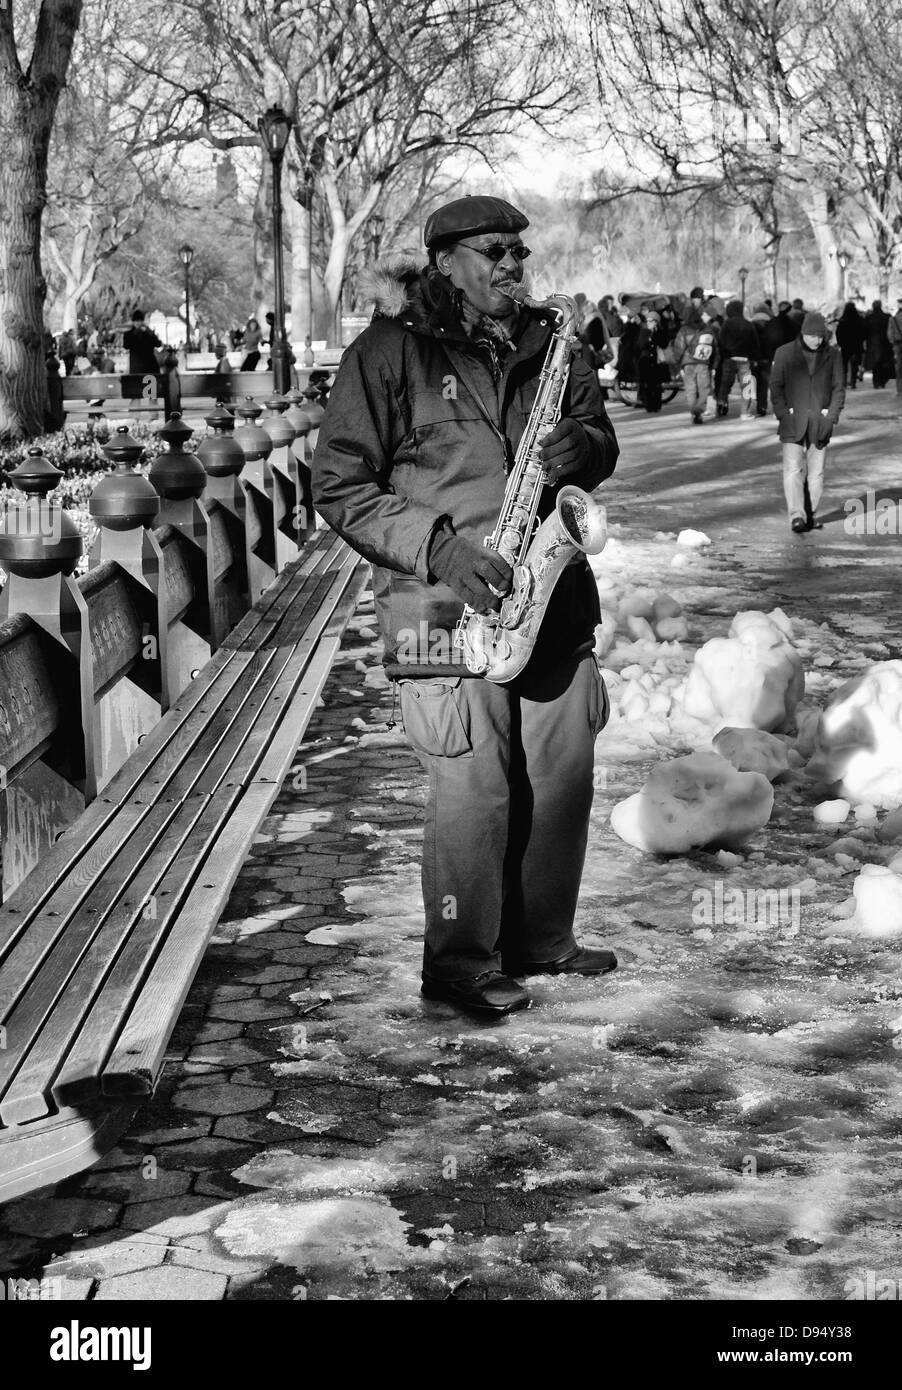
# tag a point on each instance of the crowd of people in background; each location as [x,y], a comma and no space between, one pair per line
[707,344]
[781,357]
[93,349]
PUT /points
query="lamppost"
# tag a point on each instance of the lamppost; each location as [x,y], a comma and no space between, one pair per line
[275,127]
[186,253]
[843,259]
[743,276]
[375,226]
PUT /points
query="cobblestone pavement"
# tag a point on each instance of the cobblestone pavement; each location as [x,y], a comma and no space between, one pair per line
[718,1120]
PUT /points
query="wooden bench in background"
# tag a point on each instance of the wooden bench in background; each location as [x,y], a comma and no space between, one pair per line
[100,941]
[192,393]
[99,945]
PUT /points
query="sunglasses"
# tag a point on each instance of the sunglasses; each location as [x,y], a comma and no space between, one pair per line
[496,252]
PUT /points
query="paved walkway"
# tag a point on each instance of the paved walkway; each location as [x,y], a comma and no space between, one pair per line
[719,1119]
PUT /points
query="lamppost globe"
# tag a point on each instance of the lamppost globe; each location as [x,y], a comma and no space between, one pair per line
[275,128]
[743,276]
[186,256]
[843,260]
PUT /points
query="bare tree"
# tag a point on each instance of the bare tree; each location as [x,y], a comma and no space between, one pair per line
[737,89]
[374,87]
[34,63]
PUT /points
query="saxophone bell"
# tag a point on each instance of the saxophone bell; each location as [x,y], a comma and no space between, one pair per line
[583,520]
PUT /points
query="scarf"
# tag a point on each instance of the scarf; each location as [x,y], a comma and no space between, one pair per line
[479,325]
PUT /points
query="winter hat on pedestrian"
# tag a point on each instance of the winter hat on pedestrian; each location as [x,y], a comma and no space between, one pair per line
[763,308]
[734,309]
[814,325]
[712,307]
[696,292]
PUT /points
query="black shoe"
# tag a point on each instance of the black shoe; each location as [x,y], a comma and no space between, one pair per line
[799,524]
[697,420]
[585,960]
[722,410]
[492,993]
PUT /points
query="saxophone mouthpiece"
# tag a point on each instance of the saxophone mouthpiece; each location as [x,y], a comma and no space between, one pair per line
[515,290]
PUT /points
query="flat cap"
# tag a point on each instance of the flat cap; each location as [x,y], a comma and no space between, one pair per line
[470,217]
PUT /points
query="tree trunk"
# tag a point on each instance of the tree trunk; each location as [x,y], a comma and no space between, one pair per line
[28,104]
[79,271]
[299,284]
[814,204]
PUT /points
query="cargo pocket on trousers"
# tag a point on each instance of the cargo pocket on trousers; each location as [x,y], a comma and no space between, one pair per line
[436,717]
[599,701]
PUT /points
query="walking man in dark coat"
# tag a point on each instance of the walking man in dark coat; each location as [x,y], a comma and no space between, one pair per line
[878,353]
[808,392]
[419,435]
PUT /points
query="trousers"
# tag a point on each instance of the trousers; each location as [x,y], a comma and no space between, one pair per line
[740,367]
[697,381]
[507,816]
[800,462]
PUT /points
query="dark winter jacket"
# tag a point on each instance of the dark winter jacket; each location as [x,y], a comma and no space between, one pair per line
[139,342]
[850,333]
[877,343]
[418,429]
[738,337]
[776,333]
[696,343]
[802,384]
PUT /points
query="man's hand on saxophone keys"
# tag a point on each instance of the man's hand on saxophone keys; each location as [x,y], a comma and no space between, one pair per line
[565,450]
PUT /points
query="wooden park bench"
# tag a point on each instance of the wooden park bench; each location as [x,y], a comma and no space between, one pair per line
[99,944]
[131,395]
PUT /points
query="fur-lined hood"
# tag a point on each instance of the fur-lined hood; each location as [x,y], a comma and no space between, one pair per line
[405,288]
[389,283]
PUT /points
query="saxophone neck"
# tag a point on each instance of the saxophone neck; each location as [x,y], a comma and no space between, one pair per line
[565,308]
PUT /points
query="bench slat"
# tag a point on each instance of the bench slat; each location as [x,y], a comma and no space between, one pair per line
[74,954]
[92,871]
[50,1007]
[137,1058]
[161,746]
[78,1077]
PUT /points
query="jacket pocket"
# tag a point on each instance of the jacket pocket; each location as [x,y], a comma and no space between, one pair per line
[599,700]
[436,717]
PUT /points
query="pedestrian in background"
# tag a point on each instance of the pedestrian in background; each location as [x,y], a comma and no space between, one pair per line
[797,312]
[68,350]
[878,353]
[253,336]
[894,334]
[140,342]
[650,344]
[850,338]
[695,347]
[738,348]
[761,317]
[808,393]
[609,316]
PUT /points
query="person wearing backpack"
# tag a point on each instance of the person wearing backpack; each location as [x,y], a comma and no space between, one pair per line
[695,350]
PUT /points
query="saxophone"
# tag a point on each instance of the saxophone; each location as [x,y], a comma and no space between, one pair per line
[498,645]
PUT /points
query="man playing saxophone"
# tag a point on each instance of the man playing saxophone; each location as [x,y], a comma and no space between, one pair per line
[420,433]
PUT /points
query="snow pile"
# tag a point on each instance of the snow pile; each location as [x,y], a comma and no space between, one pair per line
[641,616]
[753,750]
[858,748]
[832,812]
[692,801]
[753,678]
[878,901]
